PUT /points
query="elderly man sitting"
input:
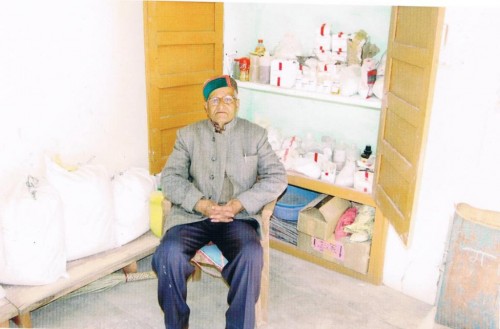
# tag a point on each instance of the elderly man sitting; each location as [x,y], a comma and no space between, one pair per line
[220,174]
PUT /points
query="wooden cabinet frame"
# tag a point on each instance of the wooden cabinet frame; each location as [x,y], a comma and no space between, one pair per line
[414,41]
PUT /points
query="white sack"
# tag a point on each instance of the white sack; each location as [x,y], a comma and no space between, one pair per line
[31,236]
[349,80]
[131,192]
[88,208]
[288,48]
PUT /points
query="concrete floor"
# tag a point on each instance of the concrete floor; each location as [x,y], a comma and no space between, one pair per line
[302,295]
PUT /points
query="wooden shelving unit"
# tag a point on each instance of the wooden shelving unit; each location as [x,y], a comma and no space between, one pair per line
[376,263]
[331,189]
[377,250]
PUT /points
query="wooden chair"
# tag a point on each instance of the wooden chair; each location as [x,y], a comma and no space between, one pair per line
[261,307]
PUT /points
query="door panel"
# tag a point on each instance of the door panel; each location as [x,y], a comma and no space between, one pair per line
[414,41]
[183,45]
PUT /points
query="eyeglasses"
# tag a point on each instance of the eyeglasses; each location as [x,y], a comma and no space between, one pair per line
[215,101]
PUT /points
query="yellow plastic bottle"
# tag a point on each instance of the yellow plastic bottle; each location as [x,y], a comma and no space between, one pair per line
[156,213]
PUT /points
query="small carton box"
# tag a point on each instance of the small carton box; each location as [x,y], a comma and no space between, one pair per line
[284,72]
[356,255]
[319,218]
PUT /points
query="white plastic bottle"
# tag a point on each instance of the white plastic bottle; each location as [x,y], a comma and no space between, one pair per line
[254,68]
[339,155]
[265,68]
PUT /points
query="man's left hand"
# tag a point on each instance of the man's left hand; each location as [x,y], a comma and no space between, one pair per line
[226,213]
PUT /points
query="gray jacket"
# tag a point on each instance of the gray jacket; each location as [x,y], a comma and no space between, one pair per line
[201,158]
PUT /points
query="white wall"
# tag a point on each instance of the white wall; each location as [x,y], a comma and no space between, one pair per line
[72,83]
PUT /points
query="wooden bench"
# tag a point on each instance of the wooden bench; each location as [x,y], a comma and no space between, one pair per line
[7,311]
[21,300]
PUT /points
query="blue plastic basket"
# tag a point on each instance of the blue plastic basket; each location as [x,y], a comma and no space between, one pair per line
[292,202]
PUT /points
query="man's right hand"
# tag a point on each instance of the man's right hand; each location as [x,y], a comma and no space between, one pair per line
[218,214]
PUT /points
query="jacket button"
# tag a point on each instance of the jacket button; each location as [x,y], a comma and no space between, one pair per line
[214,158]
[213,138]
[212,177]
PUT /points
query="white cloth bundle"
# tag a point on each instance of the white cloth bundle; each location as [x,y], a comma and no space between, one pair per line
[346,175]
[288,48]
[362,228]
[131,191]
[88,208]
[349,80]
[307,167]
[32,235]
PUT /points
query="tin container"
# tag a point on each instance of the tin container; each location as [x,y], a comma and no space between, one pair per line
[244,69]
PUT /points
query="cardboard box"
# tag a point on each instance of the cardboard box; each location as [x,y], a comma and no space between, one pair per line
[327,249]
[356,255]
[352,255]
[316,224]
[319,217]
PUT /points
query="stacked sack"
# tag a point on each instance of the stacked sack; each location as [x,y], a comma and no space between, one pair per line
[32,250]
[70,213]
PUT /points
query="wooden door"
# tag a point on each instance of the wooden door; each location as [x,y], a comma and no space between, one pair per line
[414,41]
[183,45]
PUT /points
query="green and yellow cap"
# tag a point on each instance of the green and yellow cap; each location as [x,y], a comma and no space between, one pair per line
[218,82]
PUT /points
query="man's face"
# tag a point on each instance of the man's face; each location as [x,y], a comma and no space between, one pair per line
[217,108]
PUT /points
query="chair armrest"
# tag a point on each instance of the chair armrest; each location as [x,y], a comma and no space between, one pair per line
[166,206]
[266,213]
[268,209]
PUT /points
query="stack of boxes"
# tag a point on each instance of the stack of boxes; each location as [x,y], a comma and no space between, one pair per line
[316,224]
[284,72]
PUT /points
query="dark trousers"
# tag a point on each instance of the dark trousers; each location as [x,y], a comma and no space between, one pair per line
[239,243]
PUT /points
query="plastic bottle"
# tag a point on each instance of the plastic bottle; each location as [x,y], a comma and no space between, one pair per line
[254,68]
[352,152]
[156,213]
[260,49]
[339,155]
[265,68]
[236,69]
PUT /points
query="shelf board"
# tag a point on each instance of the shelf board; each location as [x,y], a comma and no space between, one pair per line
[356,100]
[330,189]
